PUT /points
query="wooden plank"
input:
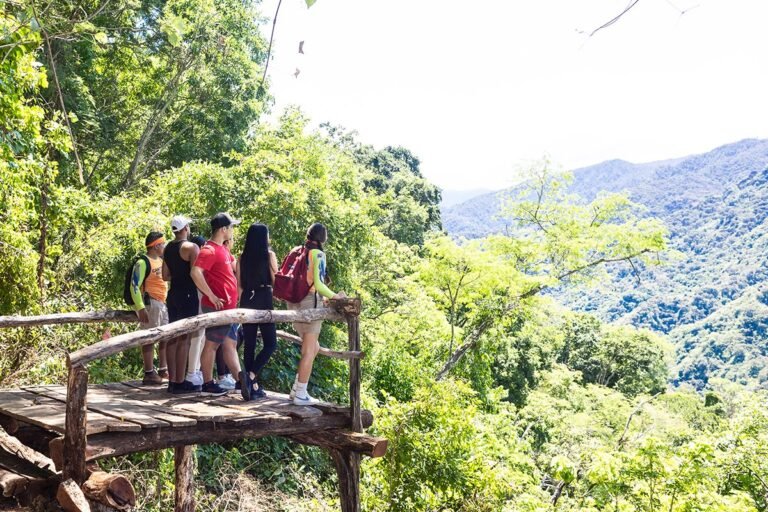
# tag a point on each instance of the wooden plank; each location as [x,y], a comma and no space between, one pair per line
[50,414]
[109,406]
[158,411]
[111,400]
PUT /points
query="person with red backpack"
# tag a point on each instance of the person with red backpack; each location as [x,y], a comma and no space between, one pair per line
[301,279]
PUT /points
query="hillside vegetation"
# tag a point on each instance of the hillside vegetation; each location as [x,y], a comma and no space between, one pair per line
[709,296]
[492,396]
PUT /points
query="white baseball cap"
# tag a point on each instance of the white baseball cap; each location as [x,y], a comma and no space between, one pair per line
[179,222]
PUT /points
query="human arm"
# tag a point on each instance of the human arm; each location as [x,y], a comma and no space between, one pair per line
[239,280]
[272,266]
[138,275]
[317,263]
[166,272]
[199,279]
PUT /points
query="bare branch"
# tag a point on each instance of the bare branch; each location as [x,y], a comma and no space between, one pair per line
[615,18]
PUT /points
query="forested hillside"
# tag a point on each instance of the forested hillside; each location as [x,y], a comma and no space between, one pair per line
[115,116]
[710,296]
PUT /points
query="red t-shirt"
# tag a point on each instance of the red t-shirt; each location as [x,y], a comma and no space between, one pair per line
[216,261]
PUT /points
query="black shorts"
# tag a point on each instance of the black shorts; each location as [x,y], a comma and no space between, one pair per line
[182,305]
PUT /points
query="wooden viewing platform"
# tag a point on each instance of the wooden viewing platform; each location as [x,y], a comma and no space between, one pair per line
[52,436]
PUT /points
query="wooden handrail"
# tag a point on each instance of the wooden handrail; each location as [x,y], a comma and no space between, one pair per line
[167,332]
[112,315]
[109,315]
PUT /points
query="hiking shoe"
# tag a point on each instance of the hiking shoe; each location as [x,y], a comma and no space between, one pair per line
[227,382]
[151,379]
[181,388]
[163,373]
[213,389]
[170,386]
[305,400]
[245,385]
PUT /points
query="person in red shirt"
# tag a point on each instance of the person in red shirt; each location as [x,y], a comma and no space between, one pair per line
[214,275]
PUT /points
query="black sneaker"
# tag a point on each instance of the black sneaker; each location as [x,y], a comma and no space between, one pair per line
[258,394]
[213,389]
[181,388]
[171,387]
[245,385]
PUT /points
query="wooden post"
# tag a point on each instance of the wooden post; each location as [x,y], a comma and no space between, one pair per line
[353,326]
[348,468]
[184,458]
[348,462]
[75,425]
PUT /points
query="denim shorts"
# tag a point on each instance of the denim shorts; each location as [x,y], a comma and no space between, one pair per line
[221,332]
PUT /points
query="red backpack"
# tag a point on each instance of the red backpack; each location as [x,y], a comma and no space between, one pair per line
[291,280]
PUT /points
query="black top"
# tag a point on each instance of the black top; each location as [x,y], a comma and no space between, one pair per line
[181,280]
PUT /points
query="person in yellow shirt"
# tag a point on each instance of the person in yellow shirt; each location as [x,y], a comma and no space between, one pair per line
[149,291]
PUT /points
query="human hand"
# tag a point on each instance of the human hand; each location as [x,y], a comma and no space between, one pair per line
[340,295]
[143,315]
[217,302]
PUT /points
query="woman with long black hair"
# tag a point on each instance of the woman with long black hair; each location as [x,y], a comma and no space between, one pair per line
[256,269]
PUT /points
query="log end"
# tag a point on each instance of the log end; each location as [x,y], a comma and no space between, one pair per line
[71,497]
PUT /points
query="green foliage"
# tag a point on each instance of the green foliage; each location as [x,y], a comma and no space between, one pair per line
[632,361]
[491,397]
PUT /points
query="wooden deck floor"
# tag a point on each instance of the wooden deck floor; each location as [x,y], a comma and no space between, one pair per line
[129,417]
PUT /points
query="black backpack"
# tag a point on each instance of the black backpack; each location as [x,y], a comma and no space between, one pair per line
[129,273]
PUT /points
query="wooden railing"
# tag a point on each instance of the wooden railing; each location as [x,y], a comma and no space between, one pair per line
[74,442]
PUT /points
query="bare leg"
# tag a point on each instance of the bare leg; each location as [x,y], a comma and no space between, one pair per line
[170,349]
[310,346]
[181,355]
[162,360]
[147,353]
[206,359]
[229,353]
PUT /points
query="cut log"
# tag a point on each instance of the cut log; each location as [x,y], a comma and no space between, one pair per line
[71,497]
[353,332]
[12,484]
[113,444]
[343,440]
[348,306]
[14,446]
[173,330]
[75,425]
[68,318]
[348,470]
[184,461]
[110,489]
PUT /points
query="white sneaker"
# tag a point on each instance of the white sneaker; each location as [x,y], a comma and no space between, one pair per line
[292,394]
[306,400]
[195,378]
[227,382]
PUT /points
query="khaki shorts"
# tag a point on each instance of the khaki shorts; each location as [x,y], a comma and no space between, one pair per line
[158,314]
[307,302]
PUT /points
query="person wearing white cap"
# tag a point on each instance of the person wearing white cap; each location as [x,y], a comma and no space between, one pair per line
[179,256]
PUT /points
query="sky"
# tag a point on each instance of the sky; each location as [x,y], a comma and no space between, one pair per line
[479,90]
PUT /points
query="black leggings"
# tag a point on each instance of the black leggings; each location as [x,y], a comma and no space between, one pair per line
[260,298]
[269,341]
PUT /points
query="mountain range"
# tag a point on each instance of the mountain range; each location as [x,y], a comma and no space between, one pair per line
[711,298]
